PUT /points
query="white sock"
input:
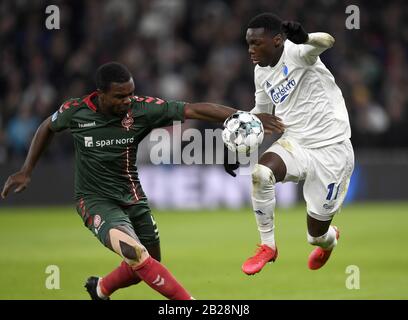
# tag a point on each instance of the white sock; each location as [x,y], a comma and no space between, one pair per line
[327,241]
[331,240]
[99,291]
[263,203]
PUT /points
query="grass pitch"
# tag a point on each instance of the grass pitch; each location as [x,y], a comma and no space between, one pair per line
[205,250]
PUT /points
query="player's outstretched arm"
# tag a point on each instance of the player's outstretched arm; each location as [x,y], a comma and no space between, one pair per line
[218,113]
[20,180]
[208,111]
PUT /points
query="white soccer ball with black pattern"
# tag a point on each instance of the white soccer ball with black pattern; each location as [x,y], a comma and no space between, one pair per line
[243,132]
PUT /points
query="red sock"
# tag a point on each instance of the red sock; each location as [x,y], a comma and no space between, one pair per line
[122,277]
[160,279]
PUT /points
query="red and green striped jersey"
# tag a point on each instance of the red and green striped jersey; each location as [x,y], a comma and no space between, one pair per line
[106,147]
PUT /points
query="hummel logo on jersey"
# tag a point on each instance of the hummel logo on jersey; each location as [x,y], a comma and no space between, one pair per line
[86,125]
[259,212]
[88,142]
[268,84]
[280,93]
[159,281]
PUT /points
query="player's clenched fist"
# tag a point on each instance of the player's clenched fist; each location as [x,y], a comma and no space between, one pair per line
[19,181]
[295,32]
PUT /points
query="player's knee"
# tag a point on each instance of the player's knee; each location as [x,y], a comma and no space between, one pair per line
[133,254]
[262,177]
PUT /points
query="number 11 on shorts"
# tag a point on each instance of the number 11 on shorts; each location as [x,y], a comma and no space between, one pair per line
[331,187]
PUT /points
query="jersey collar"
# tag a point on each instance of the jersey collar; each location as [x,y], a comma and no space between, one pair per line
[88,101]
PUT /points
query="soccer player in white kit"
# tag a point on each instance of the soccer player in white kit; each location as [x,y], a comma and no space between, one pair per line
[293,83]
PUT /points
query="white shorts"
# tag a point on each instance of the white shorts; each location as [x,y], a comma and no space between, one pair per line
[326,172]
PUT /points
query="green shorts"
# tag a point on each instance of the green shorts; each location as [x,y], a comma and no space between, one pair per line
[100,215]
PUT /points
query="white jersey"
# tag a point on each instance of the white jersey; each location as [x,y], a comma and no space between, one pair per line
[305,96]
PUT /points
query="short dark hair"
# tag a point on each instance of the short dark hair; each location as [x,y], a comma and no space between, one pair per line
[111,72]
[269,21]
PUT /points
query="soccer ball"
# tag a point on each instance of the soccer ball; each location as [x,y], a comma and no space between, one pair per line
[243,132]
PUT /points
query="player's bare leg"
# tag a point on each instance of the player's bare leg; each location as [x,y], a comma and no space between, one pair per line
[324,236]
[269,170]
[144,267]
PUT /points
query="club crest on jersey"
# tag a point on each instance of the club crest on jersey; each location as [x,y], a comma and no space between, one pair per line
[127,121]
[285,70]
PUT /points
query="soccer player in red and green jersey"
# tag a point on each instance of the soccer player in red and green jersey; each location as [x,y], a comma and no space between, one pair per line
[107,126]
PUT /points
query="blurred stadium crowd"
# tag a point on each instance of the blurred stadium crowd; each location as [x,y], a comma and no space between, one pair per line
[194,51]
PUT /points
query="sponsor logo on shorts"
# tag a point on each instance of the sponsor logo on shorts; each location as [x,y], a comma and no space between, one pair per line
[97,220]
[328,206]
[98,223]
